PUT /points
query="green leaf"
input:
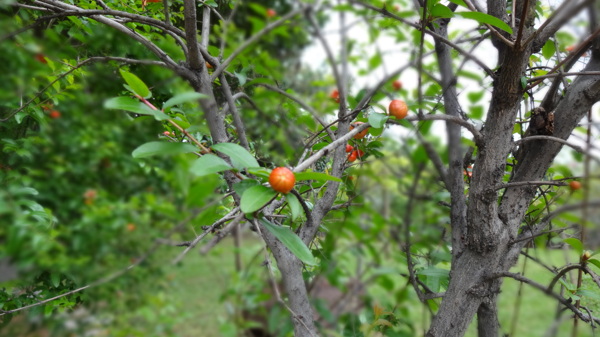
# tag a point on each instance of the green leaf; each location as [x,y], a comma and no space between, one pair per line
[243,185]
[486,18]
[260,172]
[568,285]
[241,77]
[162,148]
[576,244]
[548,49]
[441,11]
[524,82]
[595,262]
[315,176]
[55,279]
[378,120]
[135,106]
[183,98]
[476,111]
[240,158]
[209,164]
[295,206]
[475,97]
[588,293]
[255,197]
[291,241]
[432,271]
[135,85]
[460,3]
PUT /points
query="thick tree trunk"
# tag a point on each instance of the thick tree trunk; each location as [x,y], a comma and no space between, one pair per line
[295,287]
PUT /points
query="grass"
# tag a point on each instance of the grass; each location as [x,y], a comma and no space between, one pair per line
[200,281]
[195,288]
[198,284]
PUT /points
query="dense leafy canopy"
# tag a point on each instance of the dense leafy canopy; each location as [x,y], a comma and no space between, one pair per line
[122,141]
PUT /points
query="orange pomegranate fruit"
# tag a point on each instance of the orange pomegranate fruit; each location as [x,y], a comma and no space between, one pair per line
[398,108]
[361,134]
[574,185]
[282,180]
[335,95]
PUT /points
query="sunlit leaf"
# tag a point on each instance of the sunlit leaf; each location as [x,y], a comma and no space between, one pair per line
[575,243]
[135,84]
[255,197]
[315,176]
[378,120]
[183,98]
[486,18]
[295,206]
[209,164]
[135,106]
[240,158]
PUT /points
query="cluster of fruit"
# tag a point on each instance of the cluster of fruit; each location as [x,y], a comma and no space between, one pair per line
[355,153]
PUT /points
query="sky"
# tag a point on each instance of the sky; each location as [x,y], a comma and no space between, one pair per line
[391,50]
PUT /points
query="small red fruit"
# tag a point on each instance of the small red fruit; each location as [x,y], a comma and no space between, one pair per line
[352,156]
[398,108]
[335,95]
[130,227]
[282,180]
[469,171]
[54,114]
[208,65]
[574,185]
[349,148]
[271,13]
[361,134]
[397,84]
[41,58]
[359,153]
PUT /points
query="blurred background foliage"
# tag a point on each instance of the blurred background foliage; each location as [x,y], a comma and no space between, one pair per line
[75,207]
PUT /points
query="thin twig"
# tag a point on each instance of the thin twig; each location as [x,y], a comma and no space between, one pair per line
[220,222]
[522,23]
[429,32]
[529,183]
[558,140]
[247,43]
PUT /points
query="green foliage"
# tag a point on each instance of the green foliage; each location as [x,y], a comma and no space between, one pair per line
[86,190]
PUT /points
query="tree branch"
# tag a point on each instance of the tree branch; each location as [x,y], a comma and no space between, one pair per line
[191,34]
[558,140]
[429,32]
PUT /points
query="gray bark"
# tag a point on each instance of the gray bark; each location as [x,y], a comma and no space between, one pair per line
[491,226]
